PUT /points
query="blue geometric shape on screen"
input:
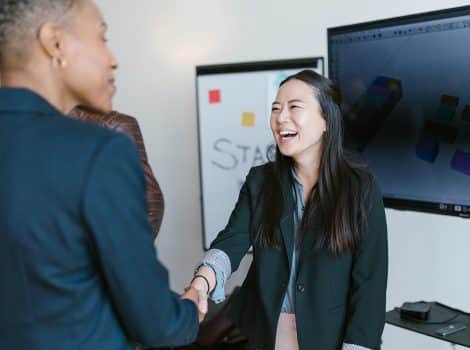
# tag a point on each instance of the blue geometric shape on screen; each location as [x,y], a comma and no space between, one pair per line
[369,113]
[427,149]
[461,162]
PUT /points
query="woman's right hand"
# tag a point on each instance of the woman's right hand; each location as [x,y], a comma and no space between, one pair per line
[204,282]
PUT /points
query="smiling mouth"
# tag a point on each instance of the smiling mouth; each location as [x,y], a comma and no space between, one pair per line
[287,135]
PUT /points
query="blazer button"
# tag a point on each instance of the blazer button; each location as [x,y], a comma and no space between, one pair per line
[300,288]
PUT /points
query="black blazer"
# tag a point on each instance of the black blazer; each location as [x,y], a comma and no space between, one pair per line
[338,299]
[78,268]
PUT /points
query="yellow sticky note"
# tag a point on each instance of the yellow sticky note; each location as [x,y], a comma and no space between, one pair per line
[248,119]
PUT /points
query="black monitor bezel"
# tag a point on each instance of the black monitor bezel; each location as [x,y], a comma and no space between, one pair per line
[393,202]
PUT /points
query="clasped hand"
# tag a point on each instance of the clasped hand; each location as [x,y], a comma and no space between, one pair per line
[199,297]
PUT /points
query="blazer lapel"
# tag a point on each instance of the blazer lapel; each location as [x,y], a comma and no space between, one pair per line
[287,221]
[308,242]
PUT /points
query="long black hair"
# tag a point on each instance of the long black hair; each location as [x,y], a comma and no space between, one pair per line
[337,204]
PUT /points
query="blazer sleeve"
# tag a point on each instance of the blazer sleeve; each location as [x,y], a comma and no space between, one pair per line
[366,310]
[114,209]
[235,239]
[154,193]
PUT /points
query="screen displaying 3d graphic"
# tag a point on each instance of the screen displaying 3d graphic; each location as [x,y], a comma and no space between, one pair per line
[406,102]
[234,108]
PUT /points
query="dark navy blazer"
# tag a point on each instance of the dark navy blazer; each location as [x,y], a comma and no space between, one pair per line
[78,269]
[338,299]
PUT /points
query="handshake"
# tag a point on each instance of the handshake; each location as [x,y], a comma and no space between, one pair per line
[199,289]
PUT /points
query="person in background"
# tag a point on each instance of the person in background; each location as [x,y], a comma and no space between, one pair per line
[129,126]
[78,269]
[316,222]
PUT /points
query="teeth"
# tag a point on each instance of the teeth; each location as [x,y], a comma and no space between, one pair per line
[287,133]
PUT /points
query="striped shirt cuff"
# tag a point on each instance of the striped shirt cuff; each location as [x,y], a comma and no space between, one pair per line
[219,261]
[347,346]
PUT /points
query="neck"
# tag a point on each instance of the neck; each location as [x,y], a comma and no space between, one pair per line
[307,174]
[48,89]
[307,167]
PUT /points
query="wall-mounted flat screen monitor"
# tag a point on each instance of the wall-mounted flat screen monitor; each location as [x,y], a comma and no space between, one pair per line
[406,102]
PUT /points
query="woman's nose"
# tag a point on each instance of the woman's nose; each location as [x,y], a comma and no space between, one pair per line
[283,115]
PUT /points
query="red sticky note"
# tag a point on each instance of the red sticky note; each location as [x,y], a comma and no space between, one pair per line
[214,96]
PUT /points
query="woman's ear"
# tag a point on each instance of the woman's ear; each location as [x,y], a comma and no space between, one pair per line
[50,38]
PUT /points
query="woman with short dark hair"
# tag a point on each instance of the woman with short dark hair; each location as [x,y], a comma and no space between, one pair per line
[58,49]
[78,268]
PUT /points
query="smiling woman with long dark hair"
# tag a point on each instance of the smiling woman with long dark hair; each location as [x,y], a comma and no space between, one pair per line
[316,222]
[337,193]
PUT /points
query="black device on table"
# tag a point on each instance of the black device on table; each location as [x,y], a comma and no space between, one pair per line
[433,319]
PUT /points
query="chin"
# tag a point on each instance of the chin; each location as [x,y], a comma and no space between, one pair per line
[106,110]
[100,107]
[286,153]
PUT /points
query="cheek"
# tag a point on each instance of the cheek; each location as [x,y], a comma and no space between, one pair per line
[272,124]
[88,63]
[82,82]
[313,128]
[88,85]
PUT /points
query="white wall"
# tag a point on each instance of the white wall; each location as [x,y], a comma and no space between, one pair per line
[159,43]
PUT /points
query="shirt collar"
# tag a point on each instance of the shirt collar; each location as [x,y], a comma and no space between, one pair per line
[296,178]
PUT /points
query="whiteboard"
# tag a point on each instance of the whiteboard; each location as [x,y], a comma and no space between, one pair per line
[234,107]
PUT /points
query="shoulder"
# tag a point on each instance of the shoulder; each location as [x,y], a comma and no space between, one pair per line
[110,119]
[115,121]
[125,124]
[368,187]
[257,174]
[361,179]
[365,186]
[79,140]
[122,122]
[375,196]
[80,133]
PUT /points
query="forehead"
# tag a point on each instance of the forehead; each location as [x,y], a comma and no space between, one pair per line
[295,89]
